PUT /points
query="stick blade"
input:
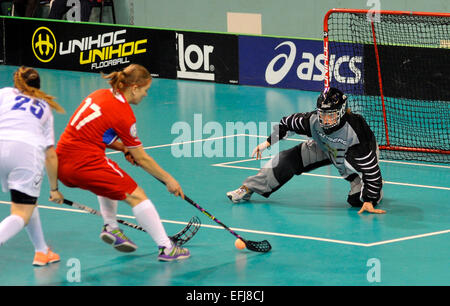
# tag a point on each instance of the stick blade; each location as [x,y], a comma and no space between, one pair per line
[258,246]
[188,232]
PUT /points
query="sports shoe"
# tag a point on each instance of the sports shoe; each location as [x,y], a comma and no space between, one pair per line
[242,193]
[117,238]
[175,253]
[41,259]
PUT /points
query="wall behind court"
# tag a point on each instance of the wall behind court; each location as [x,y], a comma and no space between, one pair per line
[292,18]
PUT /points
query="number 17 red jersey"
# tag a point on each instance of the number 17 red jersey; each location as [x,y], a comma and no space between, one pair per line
[99,121]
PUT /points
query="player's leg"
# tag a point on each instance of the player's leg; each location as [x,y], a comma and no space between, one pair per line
[108,209]
[280,169]
[85,10]
[15,222]
[147,216]
[354,194]
[111,233]
[25,214]
[21,173]
[58,9]
[103,177]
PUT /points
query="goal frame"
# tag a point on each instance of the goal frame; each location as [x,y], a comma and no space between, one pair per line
[327,83]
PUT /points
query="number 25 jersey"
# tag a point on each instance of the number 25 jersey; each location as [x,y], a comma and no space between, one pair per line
[25,119]
[101,119]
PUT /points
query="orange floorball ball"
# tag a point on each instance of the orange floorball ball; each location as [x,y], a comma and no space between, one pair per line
[239,244]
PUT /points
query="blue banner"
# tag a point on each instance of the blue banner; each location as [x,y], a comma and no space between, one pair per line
[295,63]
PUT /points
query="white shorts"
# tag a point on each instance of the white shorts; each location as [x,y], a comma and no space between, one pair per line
[21,167]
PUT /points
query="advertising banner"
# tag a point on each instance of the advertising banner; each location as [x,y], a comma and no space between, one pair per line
[294,63]
[2,43]
[88,47]
[207,57]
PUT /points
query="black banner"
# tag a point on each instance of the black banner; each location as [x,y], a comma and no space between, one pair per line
[207,57]
[409,72]
[105,48]
[88,47]
[2,42]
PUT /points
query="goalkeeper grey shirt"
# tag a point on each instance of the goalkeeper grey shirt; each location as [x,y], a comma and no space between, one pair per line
[352,148]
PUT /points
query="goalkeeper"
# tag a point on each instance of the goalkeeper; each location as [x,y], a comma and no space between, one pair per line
[339,137]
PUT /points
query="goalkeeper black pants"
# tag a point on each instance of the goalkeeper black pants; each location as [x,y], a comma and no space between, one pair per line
[302,158]
[282,167]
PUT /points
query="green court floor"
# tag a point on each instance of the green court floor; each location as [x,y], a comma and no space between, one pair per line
[317,238]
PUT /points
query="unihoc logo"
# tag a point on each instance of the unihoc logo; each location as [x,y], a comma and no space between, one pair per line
[105,49]
[194,62]
[43,44]
[305,70]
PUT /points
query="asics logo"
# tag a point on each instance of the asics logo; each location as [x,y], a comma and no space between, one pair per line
[274,77]
[311,67]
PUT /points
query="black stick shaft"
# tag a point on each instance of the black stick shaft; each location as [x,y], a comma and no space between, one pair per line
[95,212]
[204,211]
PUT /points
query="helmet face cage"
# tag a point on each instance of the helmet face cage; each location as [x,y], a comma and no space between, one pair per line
[331,107]
[330,118]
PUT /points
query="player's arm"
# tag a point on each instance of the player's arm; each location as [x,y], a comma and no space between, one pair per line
[147,163]
[368,166]
[51,160]
[51,165]
[363,158]
[119,146]
[296,123]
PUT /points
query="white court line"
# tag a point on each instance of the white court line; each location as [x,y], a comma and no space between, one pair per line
[290,139]
[85,212]
[408,238]
[184,142]
[382,160]
[270,233]
[227,165]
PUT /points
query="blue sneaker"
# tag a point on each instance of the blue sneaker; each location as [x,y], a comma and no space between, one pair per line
[175,253]
[117,238]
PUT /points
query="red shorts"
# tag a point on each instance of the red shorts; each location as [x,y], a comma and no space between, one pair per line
[98,174]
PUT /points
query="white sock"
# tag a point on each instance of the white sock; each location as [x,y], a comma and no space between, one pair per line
[34,230]
[108,208]
[9,227]
[147,217]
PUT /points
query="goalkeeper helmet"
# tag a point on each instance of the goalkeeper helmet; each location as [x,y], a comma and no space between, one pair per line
[331,108]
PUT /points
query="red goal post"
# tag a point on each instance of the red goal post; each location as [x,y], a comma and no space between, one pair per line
[398,76]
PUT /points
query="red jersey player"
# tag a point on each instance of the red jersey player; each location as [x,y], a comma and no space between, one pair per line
[105,119]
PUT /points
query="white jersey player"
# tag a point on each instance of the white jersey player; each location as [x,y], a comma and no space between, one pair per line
[26,146]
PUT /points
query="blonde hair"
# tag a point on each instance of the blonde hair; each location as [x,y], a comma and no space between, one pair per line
[133,74]
[27,81]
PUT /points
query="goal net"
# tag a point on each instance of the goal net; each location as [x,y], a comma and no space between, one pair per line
[395,68]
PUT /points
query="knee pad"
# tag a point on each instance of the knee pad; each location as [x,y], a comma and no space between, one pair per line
[22,198]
